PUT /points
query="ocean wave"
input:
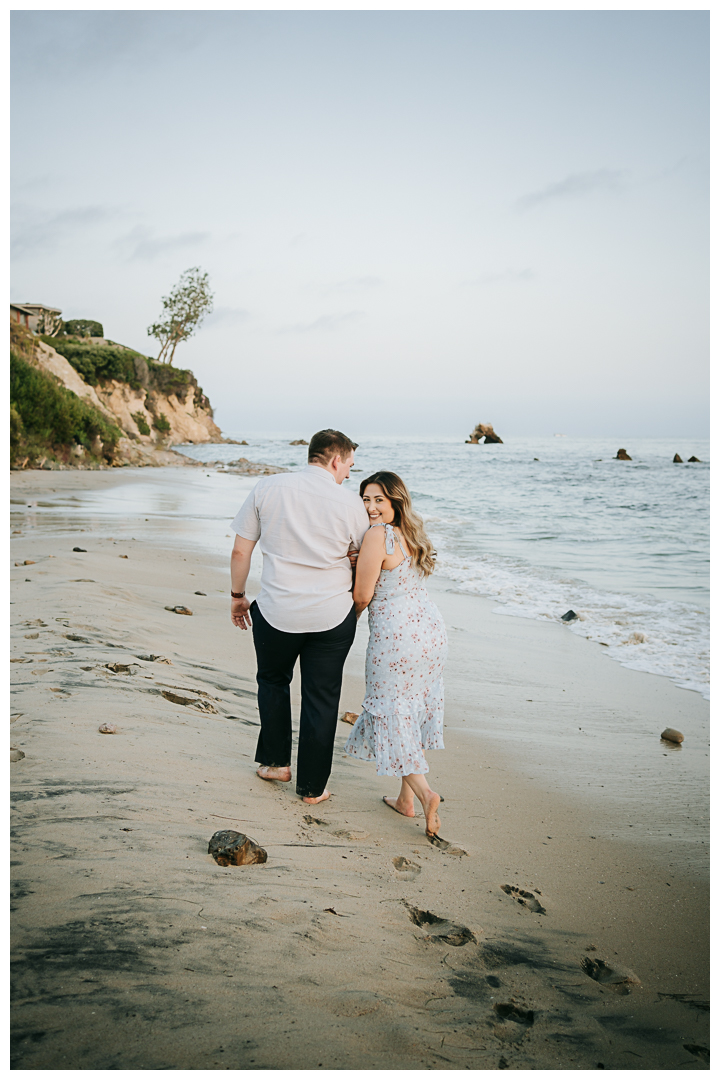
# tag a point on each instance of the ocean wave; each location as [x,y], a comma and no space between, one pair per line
[641,632]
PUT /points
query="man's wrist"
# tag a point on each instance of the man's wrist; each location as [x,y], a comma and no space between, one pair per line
[237,595]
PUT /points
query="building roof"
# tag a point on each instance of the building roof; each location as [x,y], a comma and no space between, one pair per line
[40,307]
[23,308]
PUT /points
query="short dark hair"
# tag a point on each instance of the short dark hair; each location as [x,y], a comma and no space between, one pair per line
[325,444]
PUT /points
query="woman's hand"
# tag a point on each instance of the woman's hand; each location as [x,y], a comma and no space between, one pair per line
[240,613]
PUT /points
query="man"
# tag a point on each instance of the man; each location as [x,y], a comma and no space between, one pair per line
[306,523]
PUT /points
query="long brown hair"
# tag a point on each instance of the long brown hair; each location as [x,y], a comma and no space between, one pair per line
[408,522]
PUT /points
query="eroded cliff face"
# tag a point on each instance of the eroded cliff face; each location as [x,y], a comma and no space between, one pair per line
[148,416]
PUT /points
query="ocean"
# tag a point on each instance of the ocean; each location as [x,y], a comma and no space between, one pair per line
[547,525]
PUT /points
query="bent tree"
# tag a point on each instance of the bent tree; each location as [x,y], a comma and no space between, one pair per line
[183,312]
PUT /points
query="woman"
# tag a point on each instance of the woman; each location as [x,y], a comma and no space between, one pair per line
[402,713]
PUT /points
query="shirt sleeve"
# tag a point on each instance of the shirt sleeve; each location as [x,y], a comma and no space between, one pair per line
[359,524]
[247,520]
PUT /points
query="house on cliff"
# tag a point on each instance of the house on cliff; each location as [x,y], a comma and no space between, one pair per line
[39,318]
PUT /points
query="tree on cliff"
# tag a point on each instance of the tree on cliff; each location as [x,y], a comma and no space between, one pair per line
[183,312]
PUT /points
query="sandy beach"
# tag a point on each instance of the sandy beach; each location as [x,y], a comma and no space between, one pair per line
[577,841]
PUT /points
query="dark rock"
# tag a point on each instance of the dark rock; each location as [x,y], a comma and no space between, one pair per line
[670,734]
[697,459]
[79,549]
[230,848]
[179,609]
[121,669]
[677,460]
[569,616]
[483,433]
[622,455]
[150,657]
[198,593]
[299,442]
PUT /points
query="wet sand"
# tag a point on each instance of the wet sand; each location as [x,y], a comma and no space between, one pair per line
[358,944]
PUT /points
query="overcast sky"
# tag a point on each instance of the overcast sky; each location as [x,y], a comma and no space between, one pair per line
[412,221]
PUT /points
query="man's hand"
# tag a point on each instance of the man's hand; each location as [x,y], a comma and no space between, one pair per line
[240,613]
[353,557]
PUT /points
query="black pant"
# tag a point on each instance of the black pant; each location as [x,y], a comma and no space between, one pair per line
[322,656]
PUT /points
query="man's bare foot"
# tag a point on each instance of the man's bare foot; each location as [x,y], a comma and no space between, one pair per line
[320,798]
[406,809]
[272,772]
[432,821]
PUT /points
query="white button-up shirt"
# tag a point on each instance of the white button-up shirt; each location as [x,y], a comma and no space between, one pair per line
[305,523]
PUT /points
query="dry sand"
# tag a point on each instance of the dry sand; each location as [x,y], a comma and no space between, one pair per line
[358,944]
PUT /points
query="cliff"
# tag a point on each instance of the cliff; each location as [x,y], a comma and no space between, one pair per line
[153,404]
[122,407]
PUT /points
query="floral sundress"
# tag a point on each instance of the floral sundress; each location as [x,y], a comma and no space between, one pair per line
[402,713]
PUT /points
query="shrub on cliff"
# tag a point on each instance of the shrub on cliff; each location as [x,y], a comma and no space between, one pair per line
[83,328]
[161,423]
[47,418]
[98,363]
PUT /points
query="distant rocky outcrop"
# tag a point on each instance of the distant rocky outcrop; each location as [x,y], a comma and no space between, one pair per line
[677,460]
[697,459]
[483,433]
[622,455]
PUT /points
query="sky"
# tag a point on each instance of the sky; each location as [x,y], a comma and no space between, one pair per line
[412,221]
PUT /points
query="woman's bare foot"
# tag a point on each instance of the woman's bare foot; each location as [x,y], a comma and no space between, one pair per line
[272,772]
[320,798]
[406,809]
[430,807]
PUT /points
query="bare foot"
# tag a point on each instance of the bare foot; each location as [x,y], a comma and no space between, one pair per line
[407,810]
[432,821]
[271,772]
[320,798]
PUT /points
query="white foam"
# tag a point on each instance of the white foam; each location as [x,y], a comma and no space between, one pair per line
[641,632]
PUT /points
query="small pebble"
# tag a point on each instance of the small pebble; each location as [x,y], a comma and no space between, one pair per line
[79,549]
[107,729]
[16,755]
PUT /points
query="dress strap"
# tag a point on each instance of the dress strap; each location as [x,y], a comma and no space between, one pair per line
[389,540]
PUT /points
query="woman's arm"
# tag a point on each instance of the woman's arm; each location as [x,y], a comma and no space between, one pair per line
[367,571]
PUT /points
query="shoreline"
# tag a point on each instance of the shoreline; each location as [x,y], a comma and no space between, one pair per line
[117,830]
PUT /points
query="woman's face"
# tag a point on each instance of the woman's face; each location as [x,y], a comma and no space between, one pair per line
[378,506]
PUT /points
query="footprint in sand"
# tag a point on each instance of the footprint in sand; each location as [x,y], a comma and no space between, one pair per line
[405,869]
[613,976]
[524,898]
[508,1010]
[446,846]
[439,929]
[329,826]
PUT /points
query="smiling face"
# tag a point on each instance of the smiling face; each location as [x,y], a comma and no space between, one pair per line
[378,506]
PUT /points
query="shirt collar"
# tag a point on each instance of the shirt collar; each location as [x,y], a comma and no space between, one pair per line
[319,469]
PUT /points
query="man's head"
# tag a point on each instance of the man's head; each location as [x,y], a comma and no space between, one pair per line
[332,451]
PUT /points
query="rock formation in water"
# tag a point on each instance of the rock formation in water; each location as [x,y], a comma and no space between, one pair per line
[483,433]
[622,455]
[677,460]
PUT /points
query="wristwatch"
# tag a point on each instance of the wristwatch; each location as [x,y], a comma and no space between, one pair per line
[237,595]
